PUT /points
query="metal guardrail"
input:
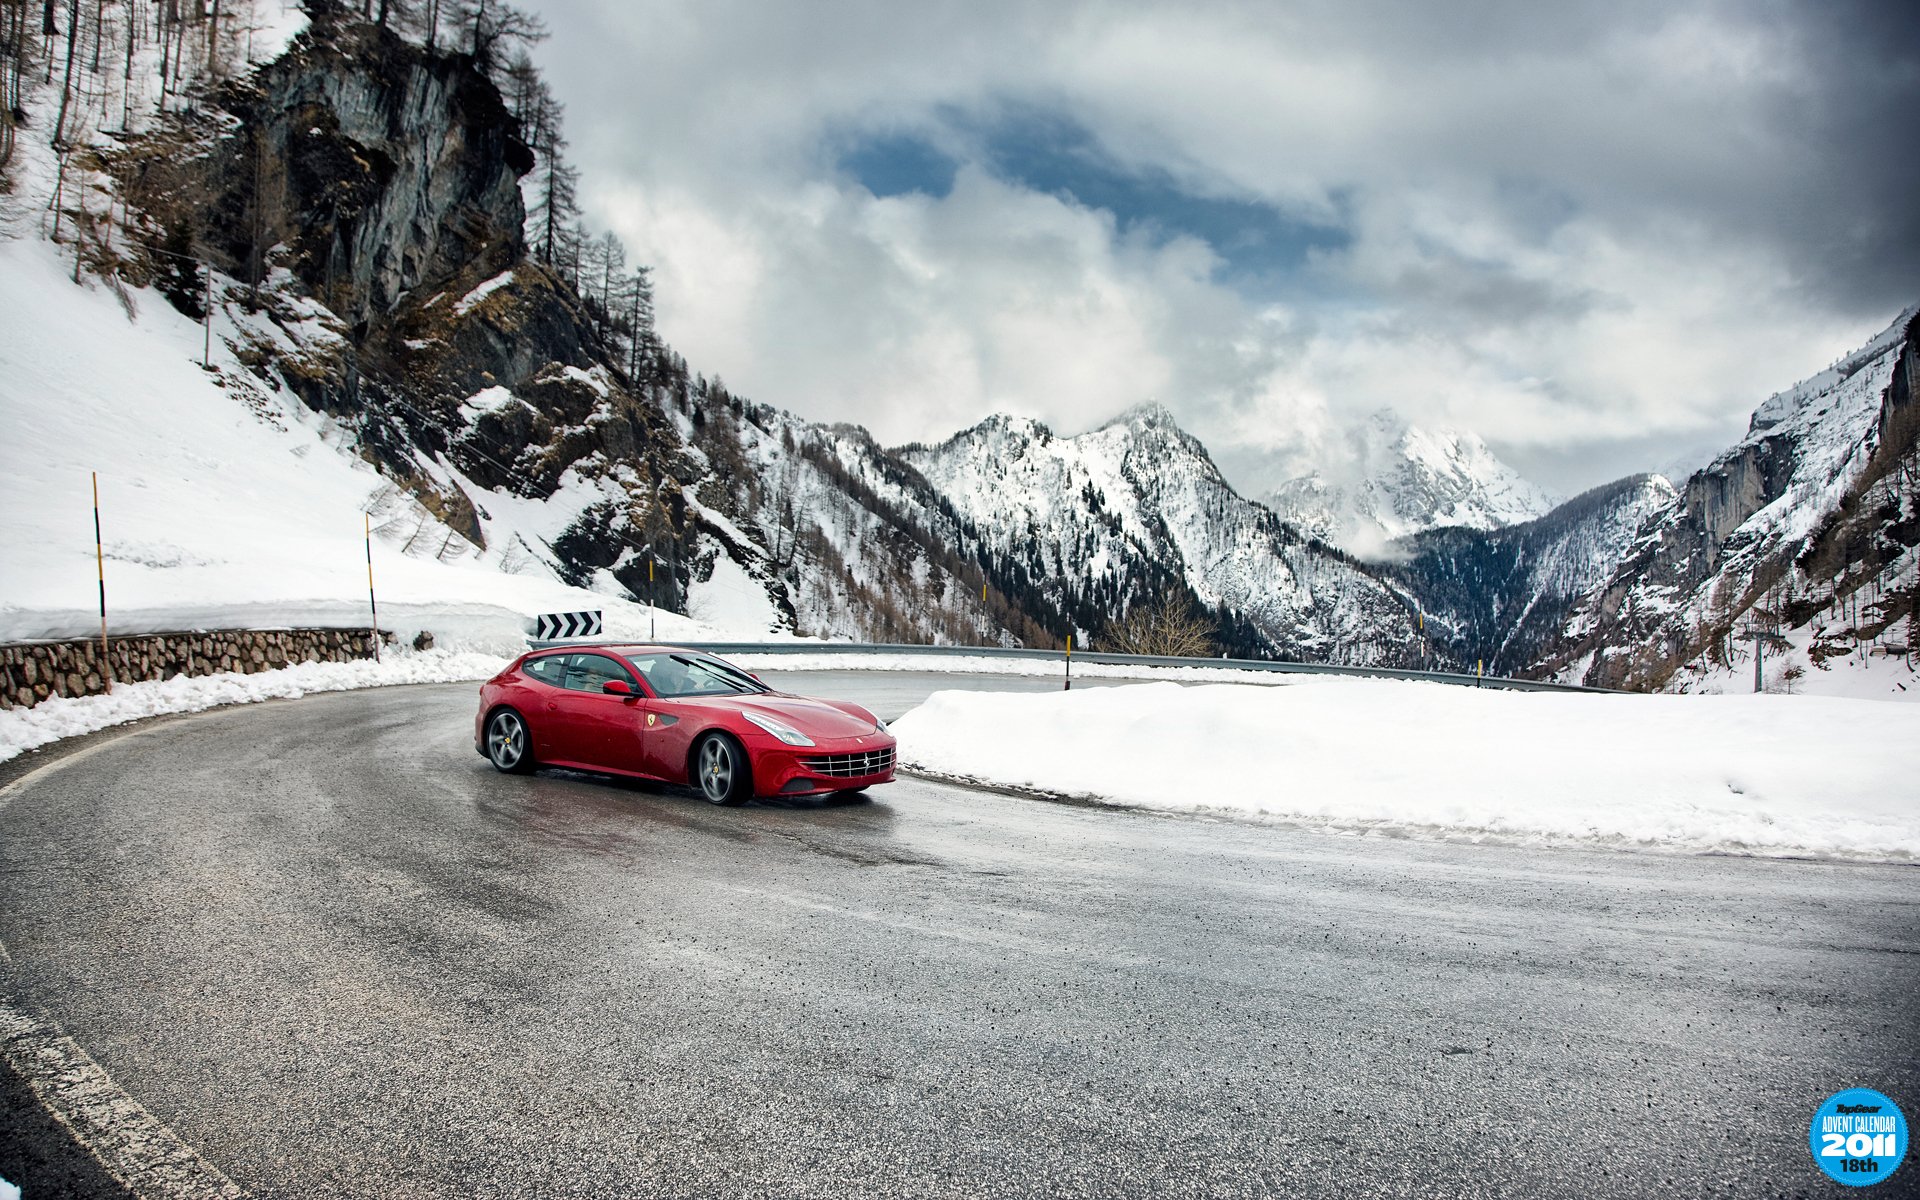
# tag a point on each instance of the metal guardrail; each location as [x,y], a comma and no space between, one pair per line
[1140,660]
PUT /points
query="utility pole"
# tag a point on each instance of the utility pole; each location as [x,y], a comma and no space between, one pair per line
[1757,634]
[100,567]
[373,608]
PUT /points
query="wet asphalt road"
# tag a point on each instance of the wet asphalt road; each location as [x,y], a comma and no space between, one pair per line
[339,955]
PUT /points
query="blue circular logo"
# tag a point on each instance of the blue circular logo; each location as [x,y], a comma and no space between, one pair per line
[1858,1137]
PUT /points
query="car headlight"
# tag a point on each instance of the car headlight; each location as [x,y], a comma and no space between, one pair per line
[879,724]
[778,728]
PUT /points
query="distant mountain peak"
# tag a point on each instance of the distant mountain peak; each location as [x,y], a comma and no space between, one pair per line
[1388,479]
[1147,413]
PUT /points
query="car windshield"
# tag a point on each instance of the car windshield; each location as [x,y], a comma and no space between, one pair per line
[672,675]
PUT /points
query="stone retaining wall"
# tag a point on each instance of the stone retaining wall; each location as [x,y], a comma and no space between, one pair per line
[32,671]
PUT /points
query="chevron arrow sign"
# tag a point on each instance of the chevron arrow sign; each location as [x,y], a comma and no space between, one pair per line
[548,626]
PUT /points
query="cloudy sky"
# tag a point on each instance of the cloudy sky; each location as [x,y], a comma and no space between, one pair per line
[1598,234]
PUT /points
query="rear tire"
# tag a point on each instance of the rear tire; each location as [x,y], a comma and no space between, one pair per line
[509,743]
[720,770]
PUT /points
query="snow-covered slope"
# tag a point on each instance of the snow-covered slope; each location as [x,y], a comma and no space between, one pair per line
[224,503]
[1099,517]
[1803,534]
[1387,479]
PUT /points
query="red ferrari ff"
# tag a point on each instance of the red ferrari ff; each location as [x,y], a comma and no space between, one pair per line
[658,712]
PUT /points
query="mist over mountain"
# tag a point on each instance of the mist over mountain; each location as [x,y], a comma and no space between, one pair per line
[1386,479]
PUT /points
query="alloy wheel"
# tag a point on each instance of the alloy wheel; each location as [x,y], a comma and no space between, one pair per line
[507,740]
[717,770]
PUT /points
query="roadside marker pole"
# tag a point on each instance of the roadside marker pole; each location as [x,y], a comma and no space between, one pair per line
[373,608]
[206,352]
[100,569]
[1069,686]
[652,634]
[1479,670]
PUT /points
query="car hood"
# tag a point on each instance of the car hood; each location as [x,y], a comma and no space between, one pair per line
[815,718]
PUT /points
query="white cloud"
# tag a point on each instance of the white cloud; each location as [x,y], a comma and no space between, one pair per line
[1572,230]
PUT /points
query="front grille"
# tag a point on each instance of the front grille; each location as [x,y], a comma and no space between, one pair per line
[850,766]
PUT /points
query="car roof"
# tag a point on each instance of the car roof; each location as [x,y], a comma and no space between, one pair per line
[622,648]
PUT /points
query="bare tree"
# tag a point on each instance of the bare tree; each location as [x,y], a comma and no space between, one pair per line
[642,341]
[555,182]
[13,69]
[66,81]
[609,259]
[1172,627]
[494,30]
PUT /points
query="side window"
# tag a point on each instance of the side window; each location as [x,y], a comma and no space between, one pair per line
[586,672]
[665,676]
[547,670]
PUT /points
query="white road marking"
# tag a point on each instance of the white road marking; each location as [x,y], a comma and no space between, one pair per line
[133,1145]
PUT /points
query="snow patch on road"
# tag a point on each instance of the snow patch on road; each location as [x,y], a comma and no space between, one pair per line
[1767,775]
[24,729]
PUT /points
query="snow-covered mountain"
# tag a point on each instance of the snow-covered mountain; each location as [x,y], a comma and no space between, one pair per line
[382,347]
[1110,517]
[1801,537]
[383,341]
[1386,479]
[1501,597]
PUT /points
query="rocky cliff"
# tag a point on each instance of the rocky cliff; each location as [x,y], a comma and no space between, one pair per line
[360,196]
[1814,506]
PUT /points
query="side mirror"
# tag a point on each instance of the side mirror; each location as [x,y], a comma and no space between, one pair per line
[617,687]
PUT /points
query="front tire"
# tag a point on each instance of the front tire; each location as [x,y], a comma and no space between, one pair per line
[509,743]
[720,770]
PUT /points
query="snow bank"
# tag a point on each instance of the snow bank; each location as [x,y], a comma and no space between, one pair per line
[1749,774]
[23,729]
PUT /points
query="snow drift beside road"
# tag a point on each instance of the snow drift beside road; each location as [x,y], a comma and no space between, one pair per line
[23,729]
[1749,774]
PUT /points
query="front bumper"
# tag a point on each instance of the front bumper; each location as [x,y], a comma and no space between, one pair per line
[831,766]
